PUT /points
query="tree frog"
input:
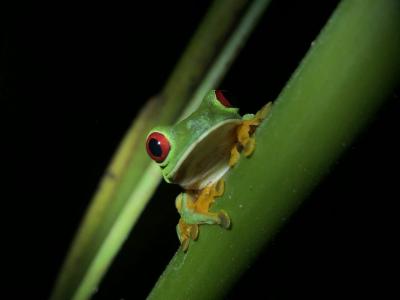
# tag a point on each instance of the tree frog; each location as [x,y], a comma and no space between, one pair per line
[197,152]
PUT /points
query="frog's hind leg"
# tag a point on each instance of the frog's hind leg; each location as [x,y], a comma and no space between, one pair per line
[185,231]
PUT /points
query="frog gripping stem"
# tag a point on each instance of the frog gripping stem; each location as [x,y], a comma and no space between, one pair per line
[246,143]
[197,157]
[193,206]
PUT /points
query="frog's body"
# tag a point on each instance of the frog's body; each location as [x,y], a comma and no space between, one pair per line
[204,162]
[196,152]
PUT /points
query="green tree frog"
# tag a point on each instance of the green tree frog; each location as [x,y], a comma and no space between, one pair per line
[197,152]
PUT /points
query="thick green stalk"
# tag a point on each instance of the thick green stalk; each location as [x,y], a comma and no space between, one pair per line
[348,72]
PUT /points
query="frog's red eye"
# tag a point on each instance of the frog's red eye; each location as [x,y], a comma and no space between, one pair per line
[157,146]
[221,98]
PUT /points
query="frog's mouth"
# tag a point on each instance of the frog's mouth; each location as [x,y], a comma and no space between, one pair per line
[169,175]
[168,172]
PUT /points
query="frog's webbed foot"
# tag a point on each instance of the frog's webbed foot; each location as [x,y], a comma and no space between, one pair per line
[246,141]
[186,232]
[194,210]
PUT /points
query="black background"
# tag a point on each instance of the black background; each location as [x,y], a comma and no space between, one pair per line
[74,75]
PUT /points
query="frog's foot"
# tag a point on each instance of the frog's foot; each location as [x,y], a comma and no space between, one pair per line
[235,156]
[245,131]
[199,208]
[194,210]
[223,219]
[186,232]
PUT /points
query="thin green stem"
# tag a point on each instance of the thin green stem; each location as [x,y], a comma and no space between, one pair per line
[221,65]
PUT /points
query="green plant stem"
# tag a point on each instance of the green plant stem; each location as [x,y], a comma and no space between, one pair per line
[349,71]
[202,51]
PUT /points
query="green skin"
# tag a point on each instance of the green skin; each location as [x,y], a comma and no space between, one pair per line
[194,141]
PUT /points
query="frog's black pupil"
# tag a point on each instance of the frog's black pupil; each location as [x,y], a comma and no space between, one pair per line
[155,147]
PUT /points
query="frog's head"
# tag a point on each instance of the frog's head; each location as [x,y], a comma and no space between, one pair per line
[189,151]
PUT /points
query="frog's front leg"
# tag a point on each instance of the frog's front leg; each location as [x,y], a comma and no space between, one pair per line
[185,231]
[246,141]
[194,210]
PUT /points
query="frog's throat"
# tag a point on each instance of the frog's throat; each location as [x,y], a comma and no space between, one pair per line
[170,176]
